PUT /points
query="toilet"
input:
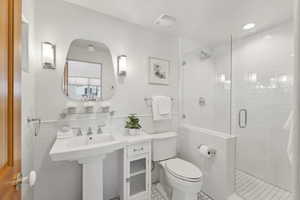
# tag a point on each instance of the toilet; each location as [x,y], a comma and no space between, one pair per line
[183,177]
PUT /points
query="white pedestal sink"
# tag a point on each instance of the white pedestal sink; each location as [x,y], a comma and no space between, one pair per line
[92,173]
[89,151]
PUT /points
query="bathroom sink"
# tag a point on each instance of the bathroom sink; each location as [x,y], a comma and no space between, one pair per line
[82,147]
[89,151]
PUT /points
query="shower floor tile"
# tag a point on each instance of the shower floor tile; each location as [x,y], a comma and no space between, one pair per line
[252,188]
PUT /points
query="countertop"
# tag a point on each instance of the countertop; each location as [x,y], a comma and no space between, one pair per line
[128,139]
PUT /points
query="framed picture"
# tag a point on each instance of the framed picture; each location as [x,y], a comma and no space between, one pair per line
[159,71]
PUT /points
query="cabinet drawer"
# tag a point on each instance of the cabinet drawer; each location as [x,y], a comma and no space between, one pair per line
[138,149]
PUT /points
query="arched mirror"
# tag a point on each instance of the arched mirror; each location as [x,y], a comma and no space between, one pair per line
[88,72]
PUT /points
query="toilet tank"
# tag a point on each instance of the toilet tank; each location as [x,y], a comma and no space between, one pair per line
[163,145]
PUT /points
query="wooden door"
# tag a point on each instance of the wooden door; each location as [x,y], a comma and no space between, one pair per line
[10,98]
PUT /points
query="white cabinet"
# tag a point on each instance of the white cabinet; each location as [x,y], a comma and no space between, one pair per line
[137,171]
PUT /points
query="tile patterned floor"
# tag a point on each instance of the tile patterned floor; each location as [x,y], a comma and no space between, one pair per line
[252,188]
[203,196]
[247,186]
[156,195]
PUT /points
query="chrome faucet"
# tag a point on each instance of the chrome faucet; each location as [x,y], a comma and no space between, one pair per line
[89,132]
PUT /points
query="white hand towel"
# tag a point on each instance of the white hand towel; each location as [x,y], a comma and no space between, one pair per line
[291,147]
[164,105]
[161,107]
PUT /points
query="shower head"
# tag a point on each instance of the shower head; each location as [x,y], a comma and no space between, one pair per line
[200,52]
[204,55]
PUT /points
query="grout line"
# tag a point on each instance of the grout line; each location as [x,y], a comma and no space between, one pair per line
[252,188]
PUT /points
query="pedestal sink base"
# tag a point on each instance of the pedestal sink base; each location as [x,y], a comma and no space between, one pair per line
[92,178]
[89,151]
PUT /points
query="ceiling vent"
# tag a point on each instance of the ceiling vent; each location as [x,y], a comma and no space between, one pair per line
[165,20]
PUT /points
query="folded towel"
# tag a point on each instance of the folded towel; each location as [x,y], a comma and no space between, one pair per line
[164,105]
[161,107]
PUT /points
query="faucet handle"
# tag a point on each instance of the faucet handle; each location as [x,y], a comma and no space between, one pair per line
[99,131]
[89,131]
[79,132]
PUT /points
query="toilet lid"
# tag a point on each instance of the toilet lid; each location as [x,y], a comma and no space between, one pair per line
[183,169]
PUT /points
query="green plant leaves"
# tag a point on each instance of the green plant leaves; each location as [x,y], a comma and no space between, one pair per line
[133,122]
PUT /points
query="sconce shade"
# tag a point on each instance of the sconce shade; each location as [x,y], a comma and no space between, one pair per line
[48,55]
[122,65]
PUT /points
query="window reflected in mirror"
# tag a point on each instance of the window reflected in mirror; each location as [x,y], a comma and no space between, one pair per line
[83,80]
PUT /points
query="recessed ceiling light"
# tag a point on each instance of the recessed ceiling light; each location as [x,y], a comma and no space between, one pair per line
[249,26]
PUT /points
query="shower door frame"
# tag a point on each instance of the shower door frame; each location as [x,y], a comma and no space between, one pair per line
[295,189]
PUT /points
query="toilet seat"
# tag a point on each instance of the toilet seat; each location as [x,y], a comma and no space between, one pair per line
[183,170]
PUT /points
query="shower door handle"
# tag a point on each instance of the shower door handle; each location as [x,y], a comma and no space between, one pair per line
[243,118]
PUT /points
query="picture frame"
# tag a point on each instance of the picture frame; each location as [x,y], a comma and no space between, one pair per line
[159,71]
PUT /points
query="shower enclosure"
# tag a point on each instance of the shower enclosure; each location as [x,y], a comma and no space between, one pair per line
[244,89]
[262,71]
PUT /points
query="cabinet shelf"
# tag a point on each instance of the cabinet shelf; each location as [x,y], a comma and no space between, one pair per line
[138,173]
[138,165]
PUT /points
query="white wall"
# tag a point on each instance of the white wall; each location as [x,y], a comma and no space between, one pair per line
[199,79]
[218,172]
[28,102]
[60,23]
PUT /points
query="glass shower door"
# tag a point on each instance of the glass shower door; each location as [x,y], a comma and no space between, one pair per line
[261,103]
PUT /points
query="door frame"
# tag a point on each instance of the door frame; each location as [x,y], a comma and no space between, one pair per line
[13,166]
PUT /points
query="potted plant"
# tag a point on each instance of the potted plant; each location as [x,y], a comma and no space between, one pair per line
[133,125]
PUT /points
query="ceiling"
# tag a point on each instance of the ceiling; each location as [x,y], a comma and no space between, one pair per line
[208,21]
[84,44]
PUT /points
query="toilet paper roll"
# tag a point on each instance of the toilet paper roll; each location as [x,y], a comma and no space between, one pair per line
[207,151]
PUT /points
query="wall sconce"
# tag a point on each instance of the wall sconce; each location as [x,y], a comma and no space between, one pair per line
[48,55]
[122,65]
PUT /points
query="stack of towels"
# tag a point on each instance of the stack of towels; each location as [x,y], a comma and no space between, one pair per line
[161,107]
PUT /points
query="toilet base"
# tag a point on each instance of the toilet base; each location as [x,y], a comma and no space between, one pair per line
[179,195]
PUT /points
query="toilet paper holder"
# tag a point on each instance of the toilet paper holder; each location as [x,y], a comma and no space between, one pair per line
[211,153]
